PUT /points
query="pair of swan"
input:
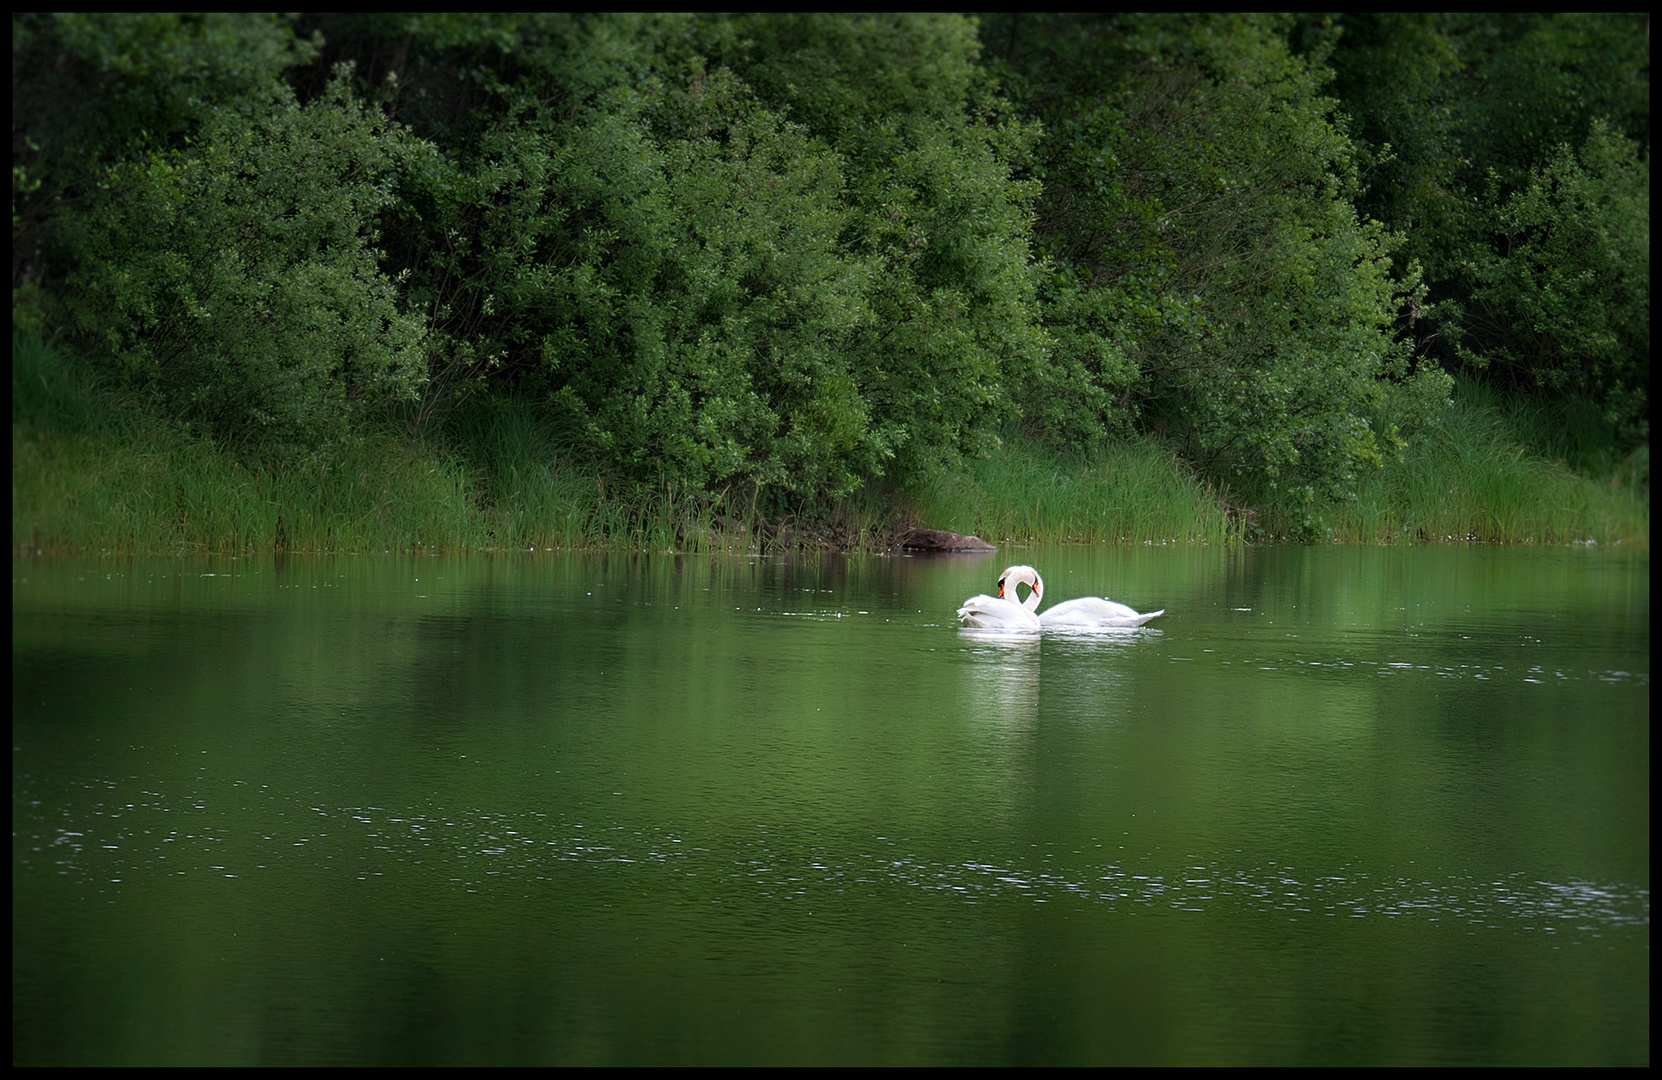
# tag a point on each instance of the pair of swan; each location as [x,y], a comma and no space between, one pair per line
[1007,611]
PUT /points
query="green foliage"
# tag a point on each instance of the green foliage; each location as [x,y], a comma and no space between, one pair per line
[1476,476]
[1199,218]
[742,265]
[1130,492]
[937,220]
[54,392]
[1395,76]
[91,88]
[1561,297]
[865,83]
[1462,122]
[1107,289]
[1082,396]
[92,473]
[696,327]
[235,279]
[1535,81]
[664,269]
[708,293]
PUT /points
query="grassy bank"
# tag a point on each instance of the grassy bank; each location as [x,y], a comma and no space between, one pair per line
[93,472]
[1508,471]
[1134,493]
[1498,494]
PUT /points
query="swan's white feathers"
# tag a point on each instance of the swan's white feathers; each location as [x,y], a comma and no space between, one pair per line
[996,613]
[1086,611]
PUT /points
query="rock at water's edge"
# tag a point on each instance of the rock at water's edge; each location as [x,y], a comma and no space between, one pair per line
[941,540]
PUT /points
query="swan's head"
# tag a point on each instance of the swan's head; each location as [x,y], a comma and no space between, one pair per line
[1021,575]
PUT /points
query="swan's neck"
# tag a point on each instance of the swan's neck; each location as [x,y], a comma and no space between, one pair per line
[1034,594]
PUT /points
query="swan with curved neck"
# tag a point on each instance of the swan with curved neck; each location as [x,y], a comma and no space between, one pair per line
[1001,612]
[1087,611]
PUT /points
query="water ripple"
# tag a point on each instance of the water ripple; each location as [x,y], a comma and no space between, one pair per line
[118,841]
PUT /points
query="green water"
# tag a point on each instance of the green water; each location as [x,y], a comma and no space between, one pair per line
[1339,805]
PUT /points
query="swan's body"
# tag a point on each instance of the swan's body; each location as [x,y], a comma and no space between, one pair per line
[1004,611]
[997,613]
[1087,611]
[1095,611]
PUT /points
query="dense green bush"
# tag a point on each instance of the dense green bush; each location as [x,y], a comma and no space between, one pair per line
[1394,76]
[803,269]
[1561,296]
[236,280]
[90,89]
[938,219]
[1199,220]
[694,318]
[659,264]
[1511,151]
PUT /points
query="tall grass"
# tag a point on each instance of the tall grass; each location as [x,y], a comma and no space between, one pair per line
[91,471]
[534,493]
[1134,493]
[1482,476]
[161,491]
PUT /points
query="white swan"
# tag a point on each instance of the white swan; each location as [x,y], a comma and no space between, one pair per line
[1086,611]
[1001,612]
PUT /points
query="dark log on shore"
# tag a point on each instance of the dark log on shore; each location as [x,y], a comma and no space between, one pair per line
[941,540]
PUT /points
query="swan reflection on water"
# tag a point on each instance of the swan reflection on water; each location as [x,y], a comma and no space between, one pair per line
[1003,674]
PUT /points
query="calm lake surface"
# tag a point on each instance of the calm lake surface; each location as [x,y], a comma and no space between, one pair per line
[1338,806]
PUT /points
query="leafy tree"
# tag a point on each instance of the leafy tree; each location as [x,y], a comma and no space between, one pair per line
[655,257]
[937,215]
[88,89]
[695,326]
[1396,76]
[235,276]
[1106,283]
[716,273]
[805,252]
[1560,301]
[1198,215]
[1532,82]
[1464,124]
